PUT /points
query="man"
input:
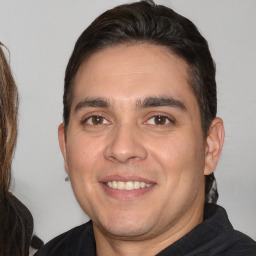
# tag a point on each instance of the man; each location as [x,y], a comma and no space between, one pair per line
[141,139]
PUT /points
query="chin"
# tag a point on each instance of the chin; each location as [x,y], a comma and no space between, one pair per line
[126,227]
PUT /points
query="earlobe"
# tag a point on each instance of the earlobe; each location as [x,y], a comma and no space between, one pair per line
[214,143]
[62,144]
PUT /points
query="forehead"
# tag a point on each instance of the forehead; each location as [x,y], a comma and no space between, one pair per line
[131,72]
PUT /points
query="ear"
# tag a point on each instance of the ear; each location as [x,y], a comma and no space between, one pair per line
[62,143]
[214,143]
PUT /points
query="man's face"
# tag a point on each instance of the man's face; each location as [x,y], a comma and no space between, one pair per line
[134,147]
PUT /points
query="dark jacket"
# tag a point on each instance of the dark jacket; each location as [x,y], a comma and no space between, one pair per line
[215,236]
[16,227]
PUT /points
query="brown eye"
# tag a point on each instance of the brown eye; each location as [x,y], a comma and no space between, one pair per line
[96,120]
[159,120]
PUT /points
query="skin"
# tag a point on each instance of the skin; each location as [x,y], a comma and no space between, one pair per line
[116,133]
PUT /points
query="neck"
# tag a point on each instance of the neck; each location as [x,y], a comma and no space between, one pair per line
[108,244]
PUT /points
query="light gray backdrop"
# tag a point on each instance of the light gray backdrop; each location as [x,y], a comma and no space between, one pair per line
[41,34]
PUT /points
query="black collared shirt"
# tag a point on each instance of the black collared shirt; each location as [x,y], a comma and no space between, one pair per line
[214,236]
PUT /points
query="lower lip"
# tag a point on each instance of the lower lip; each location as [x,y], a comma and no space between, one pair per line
[126,194]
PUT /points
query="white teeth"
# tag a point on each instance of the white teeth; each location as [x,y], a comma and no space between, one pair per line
[136,184]
[120,185]
[114,184]
[129,185]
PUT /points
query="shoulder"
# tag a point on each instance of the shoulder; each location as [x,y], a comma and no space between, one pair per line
[226,241]
[18,211]
[16,224]
[72,242]
[241,245]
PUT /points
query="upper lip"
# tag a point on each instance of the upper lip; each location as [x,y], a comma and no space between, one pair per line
[125,179]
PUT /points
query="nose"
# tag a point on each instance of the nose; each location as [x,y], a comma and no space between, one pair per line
[125,145]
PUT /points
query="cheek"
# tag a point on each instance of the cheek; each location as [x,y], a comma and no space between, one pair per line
[83,161]
[191,168]
[83,154]
[180,156]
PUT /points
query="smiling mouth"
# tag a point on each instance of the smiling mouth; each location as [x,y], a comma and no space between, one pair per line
[129,185]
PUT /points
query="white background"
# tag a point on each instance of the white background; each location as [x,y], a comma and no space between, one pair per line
[41,34]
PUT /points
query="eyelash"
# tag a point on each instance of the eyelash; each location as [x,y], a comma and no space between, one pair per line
[85,120]
[164,117]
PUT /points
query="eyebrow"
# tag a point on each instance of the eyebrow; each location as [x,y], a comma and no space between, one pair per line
[161,102]
[92,102]
[148,102]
